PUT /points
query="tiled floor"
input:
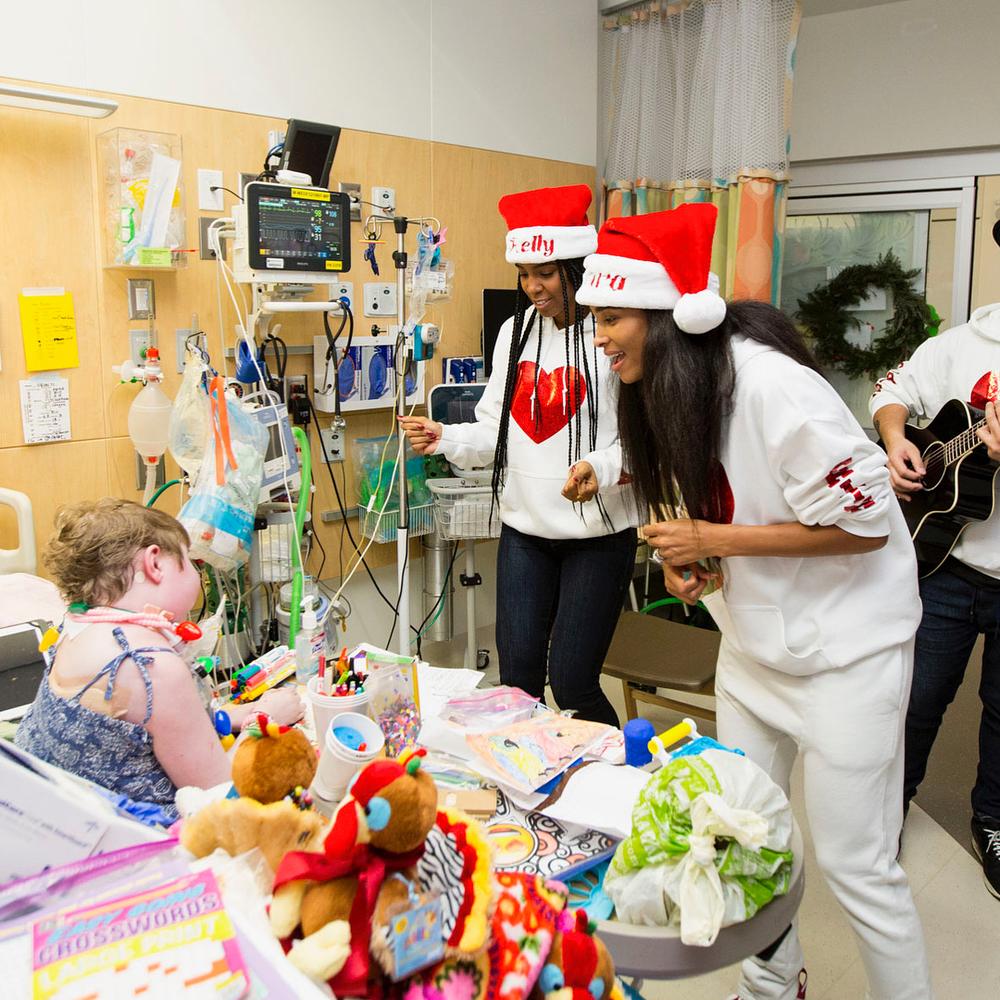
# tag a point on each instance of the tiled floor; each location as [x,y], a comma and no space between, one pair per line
[961,919]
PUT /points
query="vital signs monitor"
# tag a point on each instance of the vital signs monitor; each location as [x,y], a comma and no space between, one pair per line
[291,234]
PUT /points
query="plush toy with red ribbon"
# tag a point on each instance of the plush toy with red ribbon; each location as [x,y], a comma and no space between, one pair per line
[325,903]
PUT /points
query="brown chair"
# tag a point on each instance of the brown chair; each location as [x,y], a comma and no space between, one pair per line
[650,652]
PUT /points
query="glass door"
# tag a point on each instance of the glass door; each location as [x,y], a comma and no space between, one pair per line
[928,231]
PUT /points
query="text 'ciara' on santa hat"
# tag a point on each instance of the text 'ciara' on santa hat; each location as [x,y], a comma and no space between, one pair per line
[548,224]
[658,261]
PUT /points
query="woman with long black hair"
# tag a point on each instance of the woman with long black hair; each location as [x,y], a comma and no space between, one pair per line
[546,416]
[729,429]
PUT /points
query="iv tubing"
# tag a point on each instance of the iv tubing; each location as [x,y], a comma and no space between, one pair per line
[165,486]
[305,489]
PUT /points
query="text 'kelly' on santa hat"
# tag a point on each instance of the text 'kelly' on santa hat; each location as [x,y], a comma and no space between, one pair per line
[658,261]
[548,224]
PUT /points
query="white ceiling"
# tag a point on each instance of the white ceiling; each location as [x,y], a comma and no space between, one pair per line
[810,8]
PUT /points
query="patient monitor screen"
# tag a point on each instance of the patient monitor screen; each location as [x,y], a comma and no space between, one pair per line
[298,229]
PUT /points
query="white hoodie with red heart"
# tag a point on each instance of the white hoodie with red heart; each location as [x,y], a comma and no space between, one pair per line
[538,436]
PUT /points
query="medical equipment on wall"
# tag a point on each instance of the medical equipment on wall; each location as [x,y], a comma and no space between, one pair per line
[287,236]
[363,375]
[309,149]
[142,199]
[300,234]
[281,463]
[149,415]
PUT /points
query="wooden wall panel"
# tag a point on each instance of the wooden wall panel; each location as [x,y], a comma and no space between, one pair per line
[53,240]
[48,240]
[54,475]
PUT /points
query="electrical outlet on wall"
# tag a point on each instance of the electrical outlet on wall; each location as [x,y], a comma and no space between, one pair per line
[384,198]
[380,298]
[297,398]
[343,290]
[353,191]
[332,439]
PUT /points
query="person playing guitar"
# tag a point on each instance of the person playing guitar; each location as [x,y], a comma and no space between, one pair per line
[960,585]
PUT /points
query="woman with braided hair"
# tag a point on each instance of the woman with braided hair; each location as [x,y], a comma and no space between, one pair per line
[547,421]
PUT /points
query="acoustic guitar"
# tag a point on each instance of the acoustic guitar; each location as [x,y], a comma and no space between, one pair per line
[959,485]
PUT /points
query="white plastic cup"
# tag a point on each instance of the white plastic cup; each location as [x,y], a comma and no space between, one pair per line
[326,706]
[340,759]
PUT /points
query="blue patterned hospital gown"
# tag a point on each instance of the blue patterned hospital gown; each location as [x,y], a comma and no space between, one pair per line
[114,753]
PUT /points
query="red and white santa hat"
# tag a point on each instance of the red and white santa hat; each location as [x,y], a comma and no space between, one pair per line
[658,261]
[548,224]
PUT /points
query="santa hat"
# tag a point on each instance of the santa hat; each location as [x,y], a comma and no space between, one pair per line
[548,224]
[658,261]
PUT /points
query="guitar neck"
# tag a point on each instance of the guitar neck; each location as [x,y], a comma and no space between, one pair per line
[962,444]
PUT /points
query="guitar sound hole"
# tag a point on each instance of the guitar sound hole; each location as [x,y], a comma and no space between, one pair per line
[935,464]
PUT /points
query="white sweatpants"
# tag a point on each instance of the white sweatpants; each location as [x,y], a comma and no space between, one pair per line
[848,726]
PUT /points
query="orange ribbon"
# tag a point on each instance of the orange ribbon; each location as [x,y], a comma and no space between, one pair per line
[220,428]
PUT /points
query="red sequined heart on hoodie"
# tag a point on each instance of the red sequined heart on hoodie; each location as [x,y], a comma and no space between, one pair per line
[560,394]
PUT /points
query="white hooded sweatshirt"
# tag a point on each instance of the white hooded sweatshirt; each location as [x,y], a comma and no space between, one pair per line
[792,451]
[538,443]
[961,363]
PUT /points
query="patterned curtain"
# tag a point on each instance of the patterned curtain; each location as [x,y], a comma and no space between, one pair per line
[697,97]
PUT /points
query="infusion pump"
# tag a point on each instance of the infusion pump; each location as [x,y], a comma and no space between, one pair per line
[291,235]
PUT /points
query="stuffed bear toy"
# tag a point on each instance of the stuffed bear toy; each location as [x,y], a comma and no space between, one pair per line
[579,966]
[326,904]
[271,768]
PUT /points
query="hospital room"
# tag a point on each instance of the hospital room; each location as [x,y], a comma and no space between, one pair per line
[499,500]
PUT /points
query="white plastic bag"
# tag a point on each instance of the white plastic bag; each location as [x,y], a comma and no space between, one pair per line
[219,516]
[710,844]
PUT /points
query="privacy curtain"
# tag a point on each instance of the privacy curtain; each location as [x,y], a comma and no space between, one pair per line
[696,100]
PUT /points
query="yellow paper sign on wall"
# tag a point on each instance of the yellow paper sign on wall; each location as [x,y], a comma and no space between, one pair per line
[48,329]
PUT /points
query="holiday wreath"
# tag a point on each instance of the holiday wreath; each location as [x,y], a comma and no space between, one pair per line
[824,313]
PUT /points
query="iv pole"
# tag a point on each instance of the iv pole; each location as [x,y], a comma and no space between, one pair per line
[401,359]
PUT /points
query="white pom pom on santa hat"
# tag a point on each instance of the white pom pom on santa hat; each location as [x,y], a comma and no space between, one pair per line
[658,261]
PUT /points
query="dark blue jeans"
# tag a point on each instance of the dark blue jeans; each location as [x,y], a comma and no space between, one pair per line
[956,611]
[558,602]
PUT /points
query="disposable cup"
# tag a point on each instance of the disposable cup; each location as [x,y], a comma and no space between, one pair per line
[340,759]
[326,706]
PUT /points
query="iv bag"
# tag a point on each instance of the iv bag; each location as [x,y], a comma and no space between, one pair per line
[189,421]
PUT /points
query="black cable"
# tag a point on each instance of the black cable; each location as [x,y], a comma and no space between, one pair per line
[347,524]
[222,187]
[268,173]
[279,348]
[340,556]
[315,536]
[434,606]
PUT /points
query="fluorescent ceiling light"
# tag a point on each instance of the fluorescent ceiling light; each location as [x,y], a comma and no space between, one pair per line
[50,100]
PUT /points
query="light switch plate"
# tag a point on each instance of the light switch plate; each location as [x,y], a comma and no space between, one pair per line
[141,300]
[209,200]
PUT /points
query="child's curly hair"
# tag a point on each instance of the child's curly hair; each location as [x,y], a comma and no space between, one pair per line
[90,554]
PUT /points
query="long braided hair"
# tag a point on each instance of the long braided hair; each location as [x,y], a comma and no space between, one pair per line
[581,356]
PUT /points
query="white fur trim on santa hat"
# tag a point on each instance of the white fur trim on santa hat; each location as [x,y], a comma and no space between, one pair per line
[626,283]
[537,244]
[699,312]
